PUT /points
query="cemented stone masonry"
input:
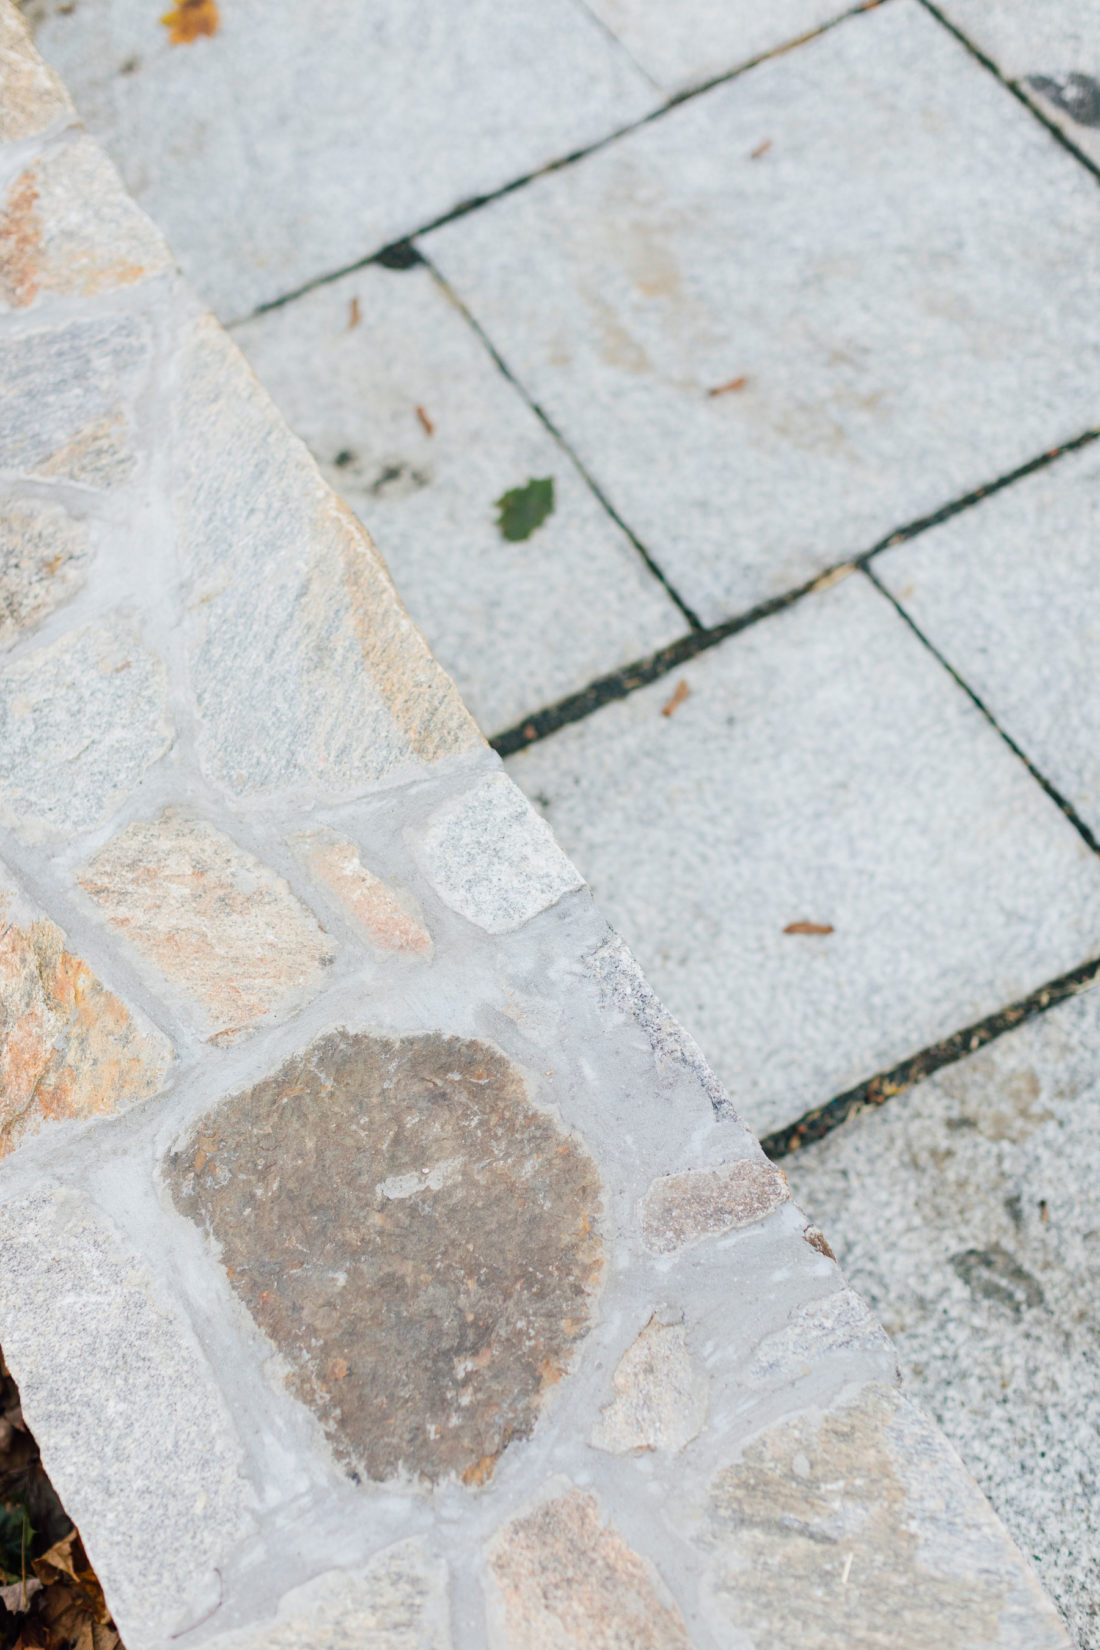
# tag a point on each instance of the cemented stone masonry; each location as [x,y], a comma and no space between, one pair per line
[379,1263]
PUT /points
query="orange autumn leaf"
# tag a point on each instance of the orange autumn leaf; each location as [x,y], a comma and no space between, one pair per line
[190,18]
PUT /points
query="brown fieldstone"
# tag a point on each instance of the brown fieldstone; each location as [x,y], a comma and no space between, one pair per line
[701,1203]
[660,1400]
[68,1047]
[414,1235]
[388,920]
[567,1579]
[219,925]
[43,555]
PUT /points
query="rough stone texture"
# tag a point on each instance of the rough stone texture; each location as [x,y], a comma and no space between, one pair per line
[218,925]
[415,1236]
[44,556]
[838,1323]
[133,1428]
[422,109]
[68,1047]
[1052,52]
[567,1578]
[492,859]
[695,40]
[1006,592]
[967,1212]
[824,768]
[679,1209]
[80,722]
[660,1397]
[306,670]
[398,1602]
[902,334]
[389,919]
[863,1511]
[65,393]
[517,625]
[45,246]
[34,98]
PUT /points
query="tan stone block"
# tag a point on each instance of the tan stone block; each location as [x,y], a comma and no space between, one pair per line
[679,1209]
[43,555]
[33,95]
[660,1400]
[69,1048]
[221,927]
[68,227]
[566,1579]
[389,920]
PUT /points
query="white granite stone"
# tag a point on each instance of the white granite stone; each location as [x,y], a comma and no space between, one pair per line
[492,859]
[1051,51]
[690,43]
[902,285]
[824,769]
[412,421]
[1007,593]
[375,118]
[967,1213]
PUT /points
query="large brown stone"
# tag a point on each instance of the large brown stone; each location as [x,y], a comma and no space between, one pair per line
[415,1236]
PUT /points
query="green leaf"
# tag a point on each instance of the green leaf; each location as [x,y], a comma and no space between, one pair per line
[524,509]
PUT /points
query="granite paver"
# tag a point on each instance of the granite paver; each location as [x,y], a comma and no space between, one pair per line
[1007,593]
[412,422]
[771,359]
[966,1212]
[824,770]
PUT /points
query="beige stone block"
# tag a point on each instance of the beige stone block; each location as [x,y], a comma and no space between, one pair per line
[33,95]
[679,1209]
[388,918]
[660,1400]
[43,557]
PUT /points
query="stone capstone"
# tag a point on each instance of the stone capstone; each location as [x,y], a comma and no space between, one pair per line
[661,1399]
[567,1579]
[417,1238]
[679,1209]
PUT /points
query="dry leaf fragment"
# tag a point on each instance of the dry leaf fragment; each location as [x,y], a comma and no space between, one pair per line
[673,705]
[425,422]
[724,389]
[354,314]
[761,149]
[809,928]
[190,18]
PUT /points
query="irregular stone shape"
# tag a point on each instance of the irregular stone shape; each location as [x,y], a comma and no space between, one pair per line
[62,394]
[661,1399]
[33,95]
[492,859]
[80,722]
[68,1047]
[414,1235]
[679,1209]
[67,227]
[839,1323]
[398,1602]
[307,671]
[390,921]
[867,1512]
[566,1578]
[219,925]
[133,1428]
[43,557]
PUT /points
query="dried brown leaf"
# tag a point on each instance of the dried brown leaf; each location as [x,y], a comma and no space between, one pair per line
[809,928]
[673,704]
[190,18]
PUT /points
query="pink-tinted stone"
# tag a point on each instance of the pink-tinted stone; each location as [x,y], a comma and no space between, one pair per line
[701,1203]
[389,920]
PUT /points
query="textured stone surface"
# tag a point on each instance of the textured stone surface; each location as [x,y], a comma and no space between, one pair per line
[1053,52]
[80,722]
[660,1397]
[967,1213]
[43,559]
[306,670]
[68,1047]
[388,918]
[691,42]
[838,1323]
[863,1511]
[398,1602]
[492,859]
[133,1428]
[220,927]
[1006,593]
[64,394]
[902,335]
[825,768]
[414,1235]
[567,1578]
[45,244]
[423,456]
[679,1209]
[34,98]
[347,151]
